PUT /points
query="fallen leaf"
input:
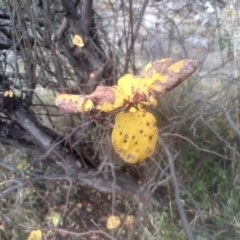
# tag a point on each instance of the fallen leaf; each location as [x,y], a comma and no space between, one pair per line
[113,222]
[22,164]
[53,217]
[79,205]
[8,94]
[78,41]
[35,235]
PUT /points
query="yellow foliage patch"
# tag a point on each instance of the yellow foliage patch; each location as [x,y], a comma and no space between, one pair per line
[131,85]
[74,103]
[8,94]
[113,222]
[35,235]
[53,217]
[78,41]
[107,99]
[22,164]
[172,76]
[134,135]
[159,66]
[137,88]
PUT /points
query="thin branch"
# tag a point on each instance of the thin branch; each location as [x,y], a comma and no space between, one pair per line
[226,113]
[21,115]
[186,226]
[86,16]
[201,149]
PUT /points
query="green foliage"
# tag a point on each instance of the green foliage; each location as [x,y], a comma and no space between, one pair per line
[199,237]
[213,189]
[224,41]
[94,135]
[211,178]
[164,227]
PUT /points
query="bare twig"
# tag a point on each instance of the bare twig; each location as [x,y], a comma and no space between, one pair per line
[204,150]
[186,226]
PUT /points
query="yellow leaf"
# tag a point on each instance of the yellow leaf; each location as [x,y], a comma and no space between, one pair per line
[173,76]
[107,99]
[74,103]
[137,88]
[77,40]
[8,94]
[113,222]
[79,205]
[134,135]
[182,65]
[159,66]
[131,84]
[35,235]
[159,77]
[53,217]
[22,164]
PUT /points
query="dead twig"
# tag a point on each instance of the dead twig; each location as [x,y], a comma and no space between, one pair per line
[186,226]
